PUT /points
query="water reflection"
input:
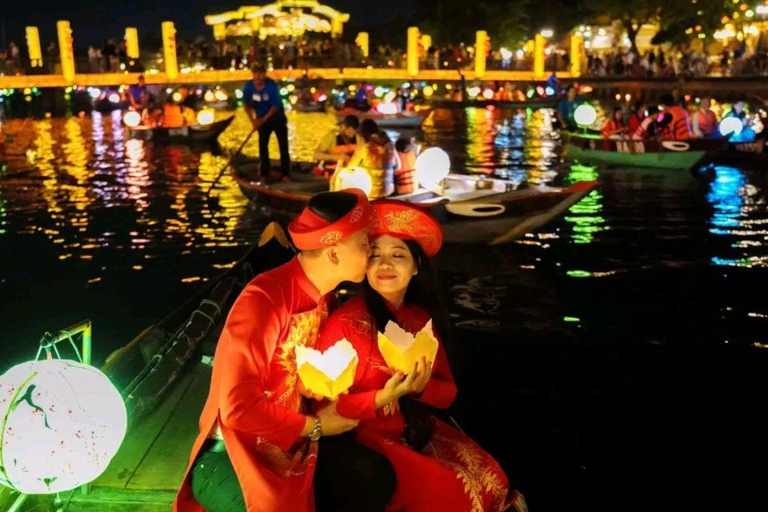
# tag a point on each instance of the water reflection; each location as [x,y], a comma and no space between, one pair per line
[585,215]
[738,212]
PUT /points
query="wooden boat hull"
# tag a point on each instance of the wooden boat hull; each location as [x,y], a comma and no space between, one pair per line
[522,211]
[185,135]
[750,155]
[658,154]
[400,120]
[533,104]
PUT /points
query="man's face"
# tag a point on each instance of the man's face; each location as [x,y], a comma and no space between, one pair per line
[258,78]
[142,82]
[348,131]
[738,106]
[571,94]
[705,104]
[353,253]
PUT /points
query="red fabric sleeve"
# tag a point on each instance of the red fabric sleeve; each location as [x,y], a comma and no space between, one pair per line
[441,390]
[354,405]
[247,345]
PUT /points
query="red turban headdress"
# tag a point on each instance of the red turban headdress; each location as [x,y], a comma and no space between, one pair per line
[310,231]
[406,222]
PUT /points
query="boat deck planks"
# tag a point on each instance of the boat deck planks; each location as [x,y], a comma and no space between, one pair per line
[166,460]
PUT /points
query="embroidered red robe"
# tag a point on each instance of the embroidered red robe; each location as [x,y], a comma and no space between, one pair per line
[452,474]
[253,398]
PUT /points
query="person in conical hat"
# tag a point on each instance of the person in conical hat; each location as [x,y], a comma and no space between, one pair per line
[438,468]
[258,440]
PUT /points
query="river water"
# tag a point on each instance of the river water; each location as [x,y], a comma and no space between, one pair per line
[613,360]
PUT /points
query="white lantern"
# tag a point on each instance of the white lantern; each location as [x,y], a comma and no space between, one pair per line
[62,422]
[221,95]
[132,119]
[209,96]
[386,108]
[585,114]
[432,167]
[352,177]
[731,126]
[205,117]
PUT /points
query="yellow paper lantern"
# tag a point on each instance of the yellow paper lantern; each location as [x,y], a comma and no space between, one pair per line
[401,349]
[62,422]
[205,117]
[132,119]
[209,96]
[328,373]
[432,166]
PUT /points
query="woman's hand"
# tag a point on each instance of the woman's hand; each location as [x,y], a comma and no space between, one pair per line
[400,385]
[421,381]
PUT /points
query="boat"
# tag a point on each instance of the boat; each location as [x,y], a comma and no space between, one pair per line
[195,134]
[751,155]
[471,209]
[164,377]
[312,106]
[408,119]
[652,153]
[509,104]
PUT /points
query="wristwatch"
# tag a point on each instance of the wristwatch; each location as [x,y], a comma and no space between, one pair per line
[317,430]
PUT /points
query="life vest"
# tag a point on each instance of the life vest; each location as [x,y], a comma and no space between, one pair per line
[645,130]
[634,123]
[707,121]
[405,176]
[610,126]
[679,128]
[173,116]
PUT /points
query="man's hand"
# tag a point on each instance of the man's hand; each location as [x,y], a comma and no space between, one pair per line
[332,422]
[308,392]
[256,123]
[342,160]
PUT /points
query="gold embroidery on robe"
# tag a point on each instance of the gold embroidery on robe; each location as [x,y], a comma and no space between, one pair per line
[303,332]
[473,471]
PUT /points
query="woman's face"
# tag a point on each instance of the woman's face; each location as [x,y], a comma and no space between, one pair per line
[391,266]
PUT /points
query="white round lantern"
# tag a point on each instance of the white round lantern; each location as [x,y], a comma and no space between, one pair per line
[61,423]
[432,166]
[585,114]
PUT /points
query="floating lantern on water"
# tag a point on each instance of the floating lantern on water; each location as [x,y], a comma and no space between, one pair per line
[176,96]
[401,349]
[209,97]
[584,115]
[132,119]
[205,117]
[488,94]
[328,373]
[62,422]
[239,94]
[352,177]
[322,97]
[473,91]
[432,167]
[221,95]
[386,108]
[428,91]
[114,97]
[731,126]
[94,92]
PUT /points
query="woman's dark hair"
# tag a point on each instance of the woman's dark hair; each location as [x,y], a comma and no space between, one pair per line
[638,105]
[332,206]
[404,145]
[423,291]
[370,130]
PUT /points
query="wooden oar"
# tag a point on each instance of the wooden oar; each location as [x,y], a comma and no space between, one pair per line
[208,193]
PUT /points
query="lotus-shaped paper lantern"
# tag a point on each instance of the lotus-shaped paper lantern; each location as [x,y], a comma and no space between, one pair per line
[328,373]
[61,422]
[401,349]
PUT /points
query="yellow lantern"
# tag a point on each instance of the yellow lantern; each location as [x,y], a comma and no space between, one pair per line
[209,96]
[33,44]
[362,41]
[401,349]
[62,422]
[132,119]
[132,42]
[328,373]
[65,50]
[169,49]
[221,95]
[352,177]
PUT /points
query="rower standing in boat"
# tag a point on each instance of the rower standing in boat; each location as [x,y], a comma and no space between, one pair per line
[258,441]
[704,121]
[138,96]
[338,146]
[567,108]
[261,99]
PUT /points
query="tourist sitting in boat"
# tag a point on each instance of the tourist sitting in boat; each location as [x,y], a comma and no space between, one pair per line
[439,468]
[337,146]
[747,132]
[704,121]
[258,441]
[177,116]
[378,156]
[639,113]
[614,128]
[679,127]
[652,125]
[405,174]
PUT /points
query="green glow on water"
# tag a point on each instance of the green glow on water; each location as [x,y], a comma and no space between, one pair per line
[586,222]
[579,273]
[571,319]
